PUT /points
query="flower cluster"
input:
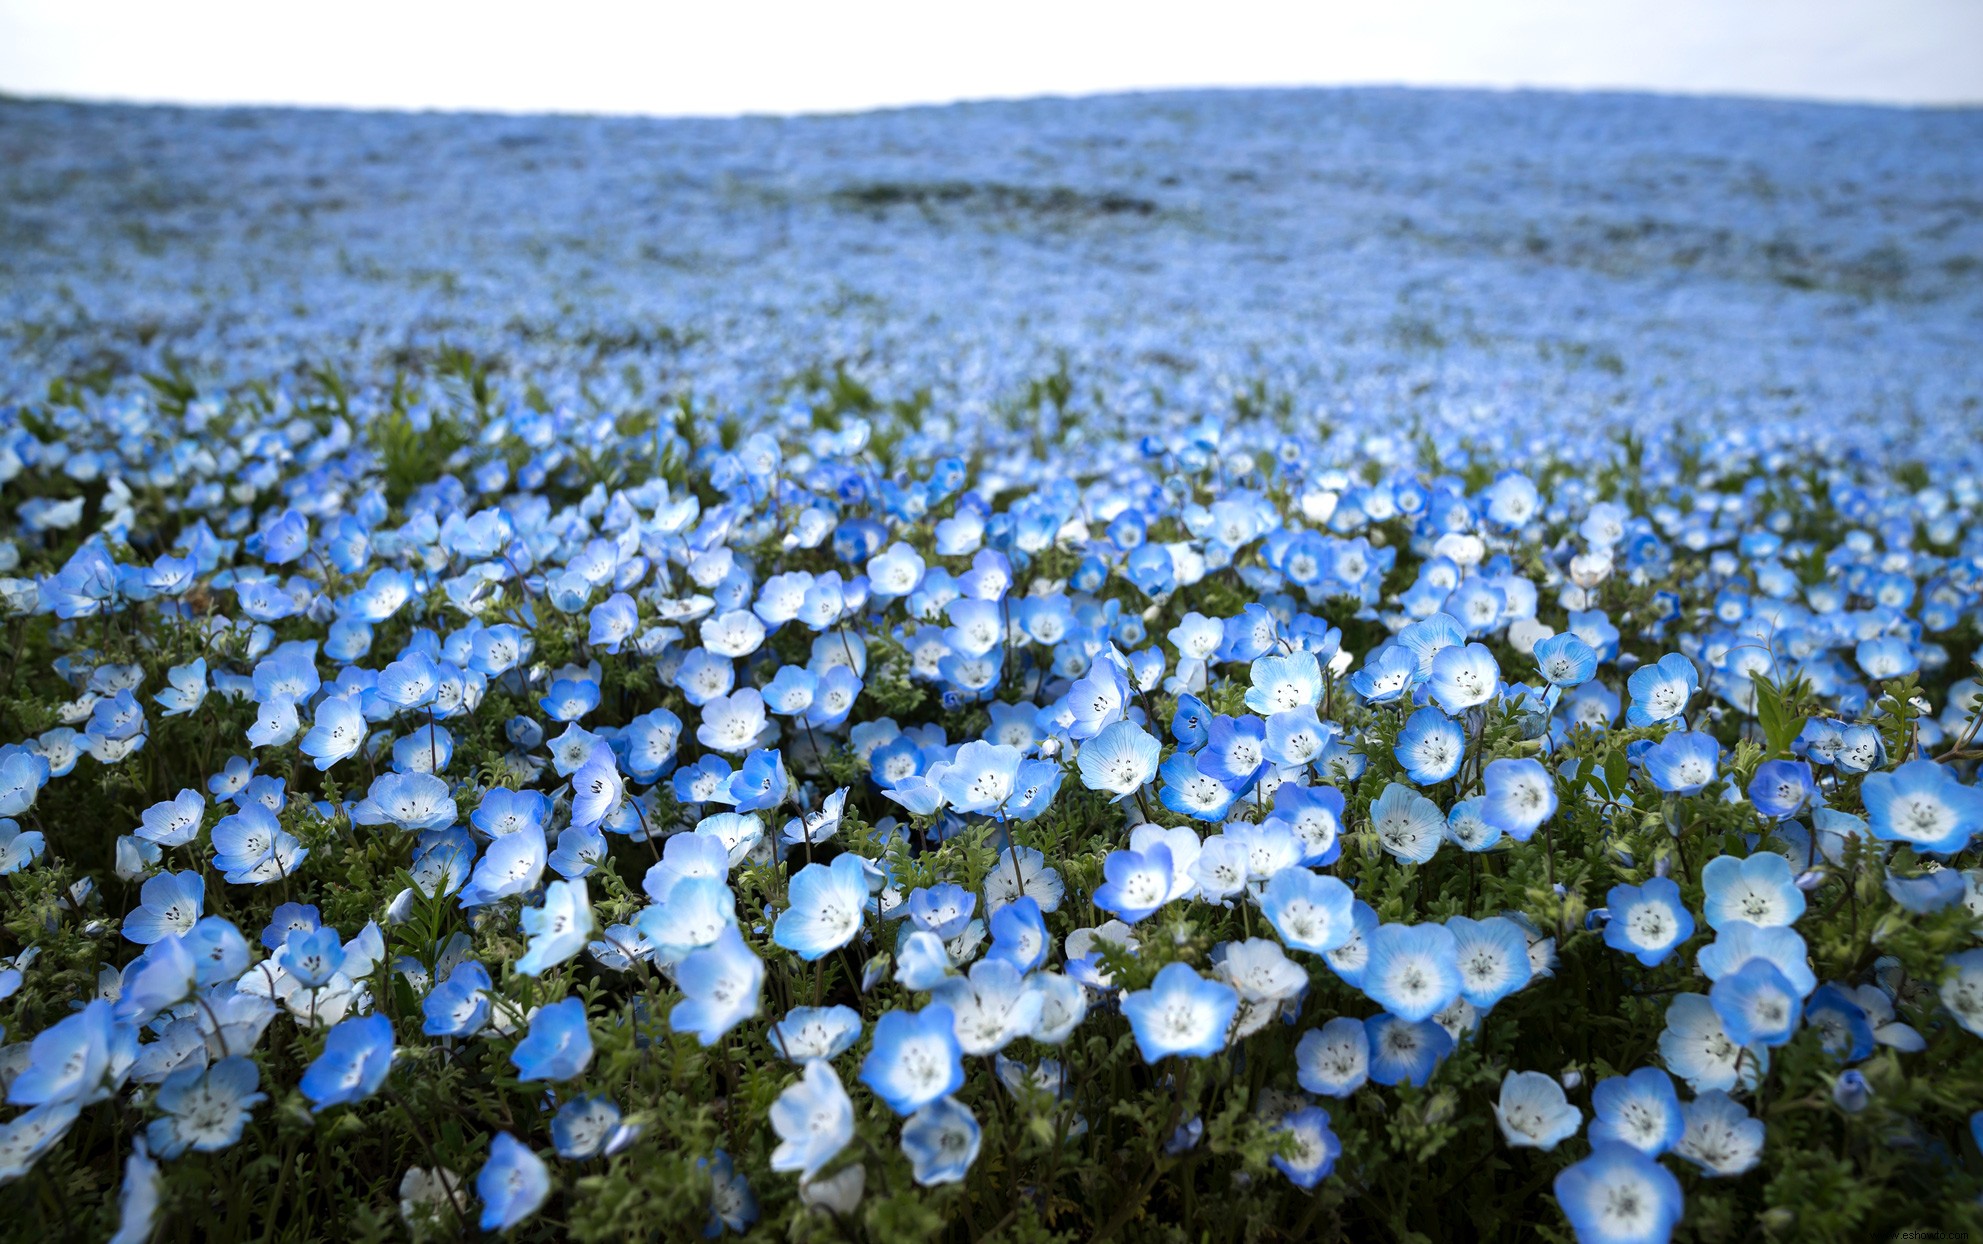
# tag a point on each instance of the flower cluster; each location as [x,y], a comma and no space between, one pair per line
[622,809]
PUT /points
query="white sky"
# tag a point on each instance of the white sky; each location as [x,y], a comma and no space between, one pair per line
[728,56]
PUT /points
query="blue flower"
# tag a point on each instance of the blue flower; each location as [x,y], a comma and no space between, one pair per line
[173,822]
[1719,1136]
[1413,970]
[1781,788]
[941,1141]
[732,1207]
[1019,935]
[1520,796]
[1309,911]
[558,1045]
[588,1127]
[826,902]
[1431,746]
[458,1006]
[356,1059]
[1120,759]
[809,1032]
[1759,889]
[204,1107]
[513,1184]
[169,904]
[1533,1113]
[721,985]
[1565,660]
[1845,1030]
[1921,804]
[1403,1051]
[596,789]
[1682,763]
[512,865]
[1463,677]
[1334,1060]
[814,1120]
[1648,921]
[558,929]
[313,956]
[1757,1005]
[1181,1013]
[1137,882]
[1493,958]
[251,847]
[915,1058]
[1619,1195]
[1640,1110]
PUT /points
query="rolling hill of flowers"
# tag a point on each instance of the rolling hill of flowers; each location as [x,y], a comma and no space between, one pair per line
[1256,665]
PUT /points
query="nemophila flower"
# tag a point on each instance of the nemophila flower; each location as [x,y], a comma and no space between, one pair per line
[588,1127]
[1961,989]
[1190,791]
[460,1005]
[826,902]
[1181,1013]
[138,1196]
[1565,660]
[696,912]
[915,1058]
[1738,941]
[356,1059]
[1119,760]
[1349,960]
[699,854]
[1922,805]
[1019,935]
[558,929]
[1520,796]
[1431,746]
[732,723]
[204,1108]
[22,775]
[1137,882]
[809,1032]
[981,778]
[597,790]
[721,985]
[1696,1047]
[511,865]
[413,801]
[1315,1147]
[814,1121]
[513,1183]
[1782,788]
[1468,829]
[1334,1060]
[1534,1113]
[1022,872]
[1493,958]
[1648,921]
[313,956]
[1404,1051]
[1640,1110]
[185,690]
[1845,1029]
[1719,1136]
[732,1207]
[1682,763]
[1618,1195]
[1386,674]
[1463,677]
[992,1007]
[173,822]
[759,785]
[1760,889]
[169,904]
[558,1045]
[1412,970]
[941,1141]
[162,977]
[943,909]
[1308,910]
[1660,690]
[1284,683]
[1315,815]
[1408,825]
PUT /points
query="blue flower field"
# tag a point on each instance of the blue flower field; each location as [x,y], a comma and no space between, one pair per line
[1262,666]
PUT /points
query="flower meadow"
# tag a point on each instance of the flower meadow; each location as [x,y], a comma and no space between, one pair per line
[993,673]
